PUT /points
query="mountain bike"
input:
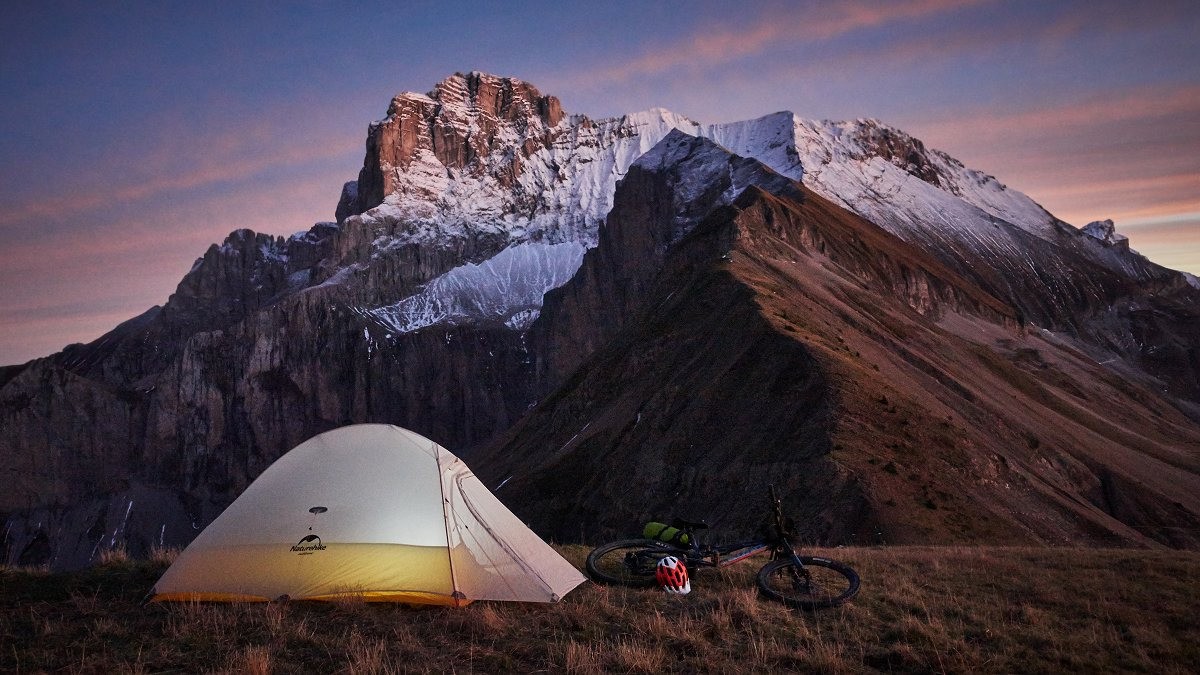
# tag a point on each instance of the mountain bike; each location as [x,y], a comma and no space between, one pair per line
[802,581]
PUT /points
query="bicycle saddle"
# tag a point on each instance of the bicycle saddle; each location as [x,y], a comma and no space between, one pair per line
[688,524]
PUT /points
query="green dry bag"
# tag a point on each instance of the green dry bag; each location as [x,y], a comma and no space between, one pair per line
[663,532]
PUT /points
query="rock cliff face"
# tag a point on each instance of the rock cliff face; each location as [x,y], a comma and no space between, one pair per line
[849,338]
[461,123]
[694,177]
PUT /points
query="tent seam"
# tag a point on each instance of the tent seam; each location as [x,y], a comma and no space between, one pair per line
[503,544]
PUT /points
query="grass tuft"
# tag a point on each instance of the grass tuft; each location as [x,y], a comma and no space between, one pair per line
[163,556]
[253,660]
[115,556]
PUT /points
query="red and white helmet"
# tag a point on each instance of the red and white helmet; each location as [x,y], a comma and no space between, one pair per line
[672,575]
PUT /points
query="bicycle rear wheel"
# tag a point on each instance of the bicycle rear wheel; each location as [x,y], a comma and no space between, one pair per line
[819,583]
[629,562]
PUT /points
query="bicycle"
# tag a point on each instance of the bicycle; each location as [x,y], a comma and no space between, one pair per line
[805,582]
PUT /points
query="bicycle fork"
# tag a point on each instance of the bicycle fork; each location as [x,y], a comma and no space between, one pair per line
[801,578]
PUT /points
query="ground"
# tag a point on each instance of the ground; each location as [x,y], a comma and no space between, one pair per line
[921,609]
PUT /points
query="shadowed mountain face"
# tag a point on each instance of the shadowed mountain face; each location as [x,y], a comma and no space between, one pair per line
[785,340]
[947,363]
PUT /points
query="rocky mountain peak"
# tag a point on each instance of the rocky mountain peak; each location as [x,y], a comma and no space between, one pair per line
[494,97]
[897,148]
[1106,231]
[457,127]
[774,340]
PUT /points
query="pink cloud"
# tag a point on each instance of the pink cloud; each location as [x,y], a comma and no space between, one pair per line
[1134,105]
[714,45]
[1118,154]
[232,156]
[1173,243]
[983,38]
[282,210]
[1175,228]
[1123,199]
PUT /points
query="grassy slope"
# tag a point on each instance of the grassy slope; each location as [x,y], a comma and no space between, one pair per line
[921,609]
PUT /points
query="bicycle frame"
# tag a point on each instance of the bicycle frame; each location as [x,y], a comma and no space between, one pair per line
[723,556]
[729,554]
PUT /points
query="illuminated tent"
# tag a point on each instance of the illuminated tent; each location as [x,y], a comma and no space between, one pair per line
[371,511]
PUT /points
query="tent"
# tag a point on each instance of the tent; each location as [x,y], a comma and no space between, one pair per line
[372,511]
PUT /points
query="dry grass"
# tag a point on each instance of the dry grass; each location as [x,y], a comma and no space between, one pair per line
[115,556]
[927,609]
[163,556]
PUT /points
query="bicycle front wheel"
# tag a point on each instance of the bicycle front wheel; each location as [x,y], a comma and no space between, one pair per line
[817,583]
[629,562]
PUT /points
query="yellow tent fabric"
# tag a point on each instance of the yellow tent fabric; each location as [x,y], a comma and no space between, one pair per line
[373,511]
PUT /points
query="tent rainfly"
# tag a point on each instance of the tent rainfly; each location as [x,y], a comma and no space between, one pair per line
[371,511]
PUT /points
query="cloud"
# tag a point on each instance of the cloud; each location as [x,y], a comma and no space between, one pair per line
[223,158]
[1125,199]
[716,44]
[966,33]
[1140,105]
[823,46]
[1171,242]
[31,335]
[1120,153]
[168,230]
[1184,222]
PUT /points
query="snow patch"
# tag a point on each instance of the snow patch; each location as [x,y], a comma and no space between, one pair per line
[507,288]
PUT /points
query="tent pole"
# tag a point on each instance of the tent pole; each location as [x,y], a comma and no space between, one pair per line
[455,594]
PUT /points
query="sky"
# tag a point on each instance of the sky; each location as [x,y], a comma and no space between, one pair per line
[135,135]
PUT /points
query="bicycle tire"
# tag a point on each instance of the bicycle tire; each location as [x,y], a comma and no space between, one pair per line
[828,583]
[612,564]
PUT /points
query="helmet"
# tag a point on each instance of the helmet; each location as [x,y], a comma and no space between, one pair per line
[672,576]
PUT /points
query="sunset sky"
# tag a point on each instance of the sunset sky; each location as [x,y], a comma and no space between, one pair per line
[137,134]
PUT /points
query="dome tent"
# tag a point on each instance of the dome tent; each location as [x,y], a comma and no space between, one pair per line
[372,511]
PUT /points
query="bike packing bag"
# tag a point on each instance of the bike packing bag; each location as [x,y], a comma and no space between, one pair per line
[663,532]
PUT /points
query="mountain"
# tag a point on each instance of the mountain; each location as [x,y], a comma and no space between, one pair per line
[783,339]
[611,319]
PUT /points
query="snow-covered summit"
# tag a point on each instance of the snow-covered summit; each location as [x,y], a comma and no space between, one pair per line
[881,173]
[488,154]
[482,158]
[694,165]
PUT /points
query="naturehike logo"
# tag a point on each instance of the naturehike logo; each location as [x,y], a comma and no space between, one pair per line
[307,545]
[311,543]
